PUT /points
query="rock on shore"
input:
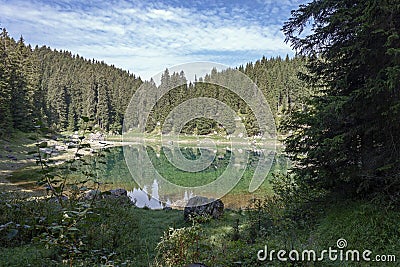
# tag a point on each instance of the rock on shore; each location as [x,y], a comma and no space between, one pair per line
[202,206]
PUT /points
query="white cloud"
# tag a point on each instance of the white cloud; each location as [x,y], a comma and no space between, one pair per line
[146,39]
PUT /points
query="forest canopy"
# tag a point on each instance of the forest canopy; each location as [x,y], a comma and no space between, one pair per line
[58,88]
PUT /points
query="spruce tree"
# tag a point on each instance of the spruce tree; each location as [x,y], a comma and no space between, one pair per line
[103,110]
[20,109]
[348,138]
[6,123]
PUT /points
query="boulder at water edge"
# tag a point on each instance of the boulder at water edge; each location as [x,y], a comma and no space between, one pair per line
[202,206]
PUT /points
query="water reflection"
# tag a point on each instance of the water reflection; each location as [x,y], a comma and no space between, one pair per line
[151,199]
[156,194]
[142,199]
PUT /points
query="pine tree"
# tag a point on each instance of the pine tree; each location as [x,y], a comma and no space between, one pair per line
[57,105]
[349,136]
[20,108]
[34,89]
[6,123]
[103,111]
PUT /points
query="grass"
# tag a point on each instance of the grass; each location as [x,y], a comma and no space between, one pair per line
[152,224]
[26,177]
[365,226]
[18,146]
[25,255]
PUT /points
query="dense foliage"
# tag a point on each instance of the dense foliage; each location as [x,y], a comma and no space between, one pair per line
[347,139]
[275,77]
[58,88]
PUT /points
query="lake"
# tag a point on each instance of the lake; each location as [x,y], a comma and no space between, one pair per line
[157,176]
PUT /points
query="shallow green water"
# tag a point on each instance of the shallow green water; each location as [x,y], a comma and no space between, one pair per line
[155,178]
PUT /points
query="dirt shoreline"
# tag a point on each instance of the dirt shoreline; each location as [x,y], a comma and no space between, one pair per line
[14,157]
[218,142]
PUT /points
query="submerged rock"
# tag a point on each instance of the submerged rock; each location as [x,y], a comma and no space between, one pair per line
[202,206]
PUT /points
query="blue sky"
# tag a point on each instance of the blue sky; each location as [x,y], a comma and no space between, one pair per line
[145,37]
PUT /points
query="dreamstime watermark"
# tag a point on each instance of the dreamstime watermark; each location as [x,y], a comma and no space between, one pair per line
[338,253]
[141,110]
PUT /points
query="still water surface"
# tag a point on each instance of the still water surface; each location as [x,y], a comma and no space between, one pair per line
[148,183]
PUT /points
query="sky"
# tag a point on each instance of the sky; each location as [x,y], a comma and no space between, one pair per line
[147,36]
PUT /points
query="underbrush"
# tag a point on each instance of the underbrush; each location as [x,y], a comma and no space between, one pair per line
[113,233]
[117,233]
[62,235]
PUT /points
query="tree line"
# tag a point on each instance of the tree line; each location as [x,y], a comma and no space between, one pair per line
[57,88]
[276,78]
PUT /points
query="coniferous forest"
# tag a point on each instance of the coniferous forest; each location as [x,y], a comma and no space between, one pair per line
[59,88]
